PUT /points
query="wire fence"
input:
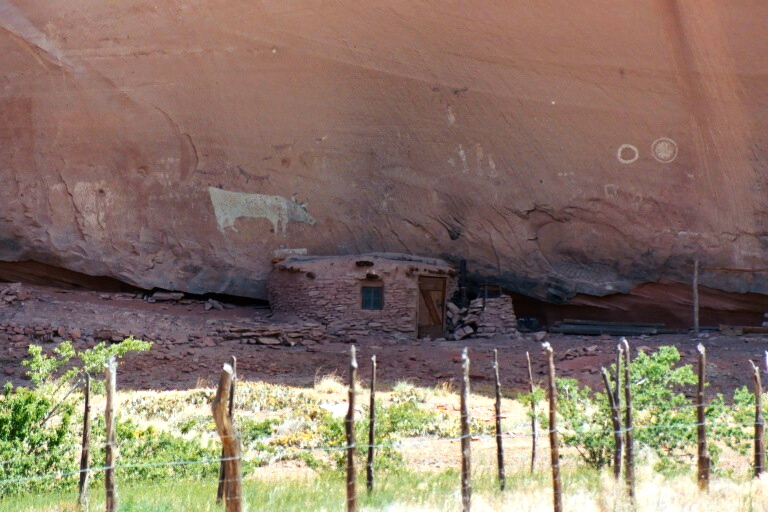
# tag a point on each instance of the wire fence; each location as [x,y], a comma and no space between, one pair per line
[511,432]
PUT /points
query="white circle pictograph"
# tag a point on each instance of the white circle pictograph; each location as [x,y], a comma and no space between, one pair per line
[627,154]
[664,150]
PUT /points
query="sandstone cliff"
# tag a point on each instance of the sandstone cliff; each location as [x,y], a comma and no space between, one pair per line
[560,147]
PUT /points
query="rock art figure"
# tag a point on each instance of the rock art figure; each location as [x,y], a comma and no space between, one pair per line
[230,206]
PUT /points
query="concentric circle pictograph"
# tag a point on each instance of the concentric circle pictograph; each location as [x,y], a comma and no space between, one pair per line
[664,150]
[627,154]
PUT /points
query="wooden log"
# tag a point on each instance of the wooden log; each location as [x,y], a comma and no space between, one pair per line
[696,296]
[739,330]
[703,463]
[574,321]
[534,423]
[230,440]
[759,422]
[612,330]
[222,466]
[110,449]
[349,424]
[616,423]
[82,488]
[499,445]
[554,451]
[371,428]
[466,460]
[629,450]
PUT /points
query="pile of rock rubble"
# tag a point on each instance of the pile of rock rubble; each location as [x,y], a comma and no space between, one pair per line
[12,293]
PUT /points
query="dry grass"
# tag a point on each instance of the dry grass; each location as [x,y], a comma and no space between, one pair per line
[330,384]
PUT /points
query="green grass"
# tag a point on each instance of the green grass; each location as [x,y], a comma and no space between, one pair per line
[323,492]
[407,491]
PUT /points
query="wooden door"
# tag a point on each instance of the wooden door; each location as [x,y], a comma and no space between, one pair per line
[431,307]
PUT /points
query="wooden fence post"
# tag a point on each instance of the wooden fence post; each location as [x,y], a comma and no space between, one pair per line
[499,446]
[371,428]
[629,452]
[703,456]
[696,296]
[222,465]
[553,442]
[534,423]
[110,450]
[230,440]
[617,401]
[615,422]
[759,422]
[466,461]
[82,488]
[349,424]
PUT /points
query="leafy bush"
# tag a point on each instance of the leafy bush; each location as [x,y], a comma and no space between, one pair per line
[735,426]
[147,453]
[38,447]
[664,419]
[255,430]
[31,446]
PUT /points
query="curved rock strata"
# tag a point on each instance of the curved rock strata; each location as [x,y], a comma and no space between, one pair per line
[560,148]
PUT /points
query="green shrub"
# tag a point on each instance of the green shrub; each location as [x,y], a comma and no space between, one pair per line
[664,419]
[31,446]
[147,453]
[39,445]
[255,430]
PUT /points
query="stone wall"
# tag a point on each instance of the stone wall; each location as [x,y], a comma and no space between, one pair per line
[329,291]
[498,317]
[482,319]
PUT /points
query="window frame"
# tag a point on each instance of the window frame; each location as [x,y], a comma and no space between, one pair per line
[368,303]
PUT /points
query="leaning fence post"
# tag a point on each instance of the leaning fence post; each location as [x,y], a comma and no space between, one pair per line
[534,423]
[466,461]
[371,428]
[703,460]
[629,459]
[110,450]
[82,488]
[222,465]
[499,446]
[759,422]
[553,442]
[230,441]
[349,424]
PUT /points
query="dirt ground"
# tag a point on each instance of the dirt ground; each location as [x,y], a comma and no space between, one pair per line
[188,350]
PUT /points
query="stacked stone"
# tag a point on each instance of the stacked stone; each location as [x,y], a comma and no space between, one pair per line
[12,294]
[38,332]
[498,318]
[455,323]
[304,334]
[335,302]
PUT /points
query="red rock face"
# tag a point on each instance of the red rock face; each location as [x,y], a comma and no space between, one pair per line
[559,147]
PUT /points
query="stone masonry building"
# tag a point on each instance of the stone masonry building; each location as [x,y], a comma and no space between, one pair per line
[365,294]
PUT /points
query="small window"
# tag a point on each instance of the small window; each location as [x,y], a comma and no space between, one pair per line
[373,297]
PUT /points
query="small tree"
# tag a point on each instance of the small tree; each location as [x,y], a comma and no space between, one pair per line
[43,368]
[35,424]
